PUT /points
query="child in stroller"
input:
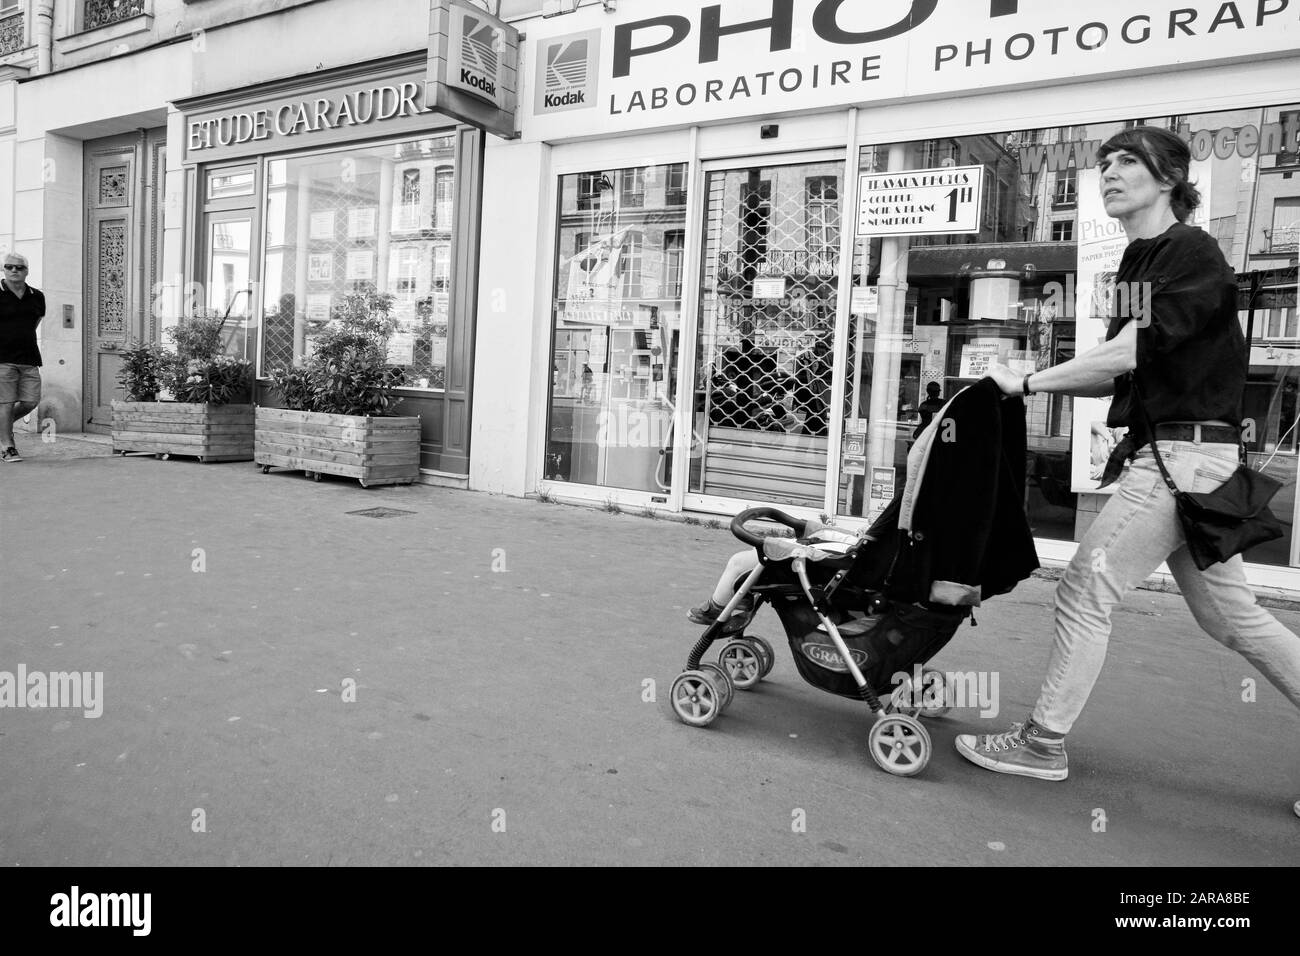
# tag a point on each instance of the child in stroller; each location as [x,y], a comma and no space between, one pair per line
[830,540]
[847,637]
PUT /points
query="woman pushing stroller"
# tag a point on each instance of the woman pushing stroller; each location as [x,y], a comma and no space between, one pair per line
[1182,355]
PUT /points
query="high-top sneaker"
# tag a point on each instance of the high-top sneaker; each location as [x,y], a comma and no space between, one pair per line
[1021,750]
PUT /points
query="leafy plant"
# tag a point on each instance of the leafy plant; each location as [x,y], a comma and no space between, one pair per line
[195,372]
[145,368]
[347,372]
[219,381]
[198,338]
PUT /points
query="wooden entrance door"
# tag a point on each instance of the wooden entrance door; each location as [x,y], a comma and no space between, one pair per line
[123,200]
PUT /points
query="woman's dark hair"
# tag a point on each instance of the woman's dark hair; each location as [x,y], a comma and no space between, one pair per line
[1166,157]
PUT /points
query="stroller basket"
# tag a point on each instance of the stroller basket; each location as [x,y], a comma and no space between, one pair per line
[882,645]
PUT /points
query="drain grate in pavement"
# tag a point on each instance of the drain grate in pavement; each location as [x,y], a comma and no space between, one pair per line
[381,513]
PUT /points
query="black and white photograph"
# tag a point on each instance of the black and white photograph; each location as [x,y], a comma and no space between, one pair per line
[661,434]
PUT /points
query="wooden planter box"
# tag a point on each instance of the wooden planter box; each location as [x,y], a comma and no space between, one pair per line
[208,432]
[375,451]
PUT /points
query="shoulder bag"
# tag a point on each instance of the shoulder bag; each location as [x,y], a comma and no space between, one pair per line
[1226,521]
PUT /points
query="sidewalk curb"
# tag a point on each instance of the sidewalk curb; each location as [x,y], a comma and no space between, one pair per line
[1267,597]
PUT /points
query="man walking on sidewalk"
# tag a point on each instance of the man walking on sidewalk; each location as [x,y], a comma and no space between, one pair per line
[21,311]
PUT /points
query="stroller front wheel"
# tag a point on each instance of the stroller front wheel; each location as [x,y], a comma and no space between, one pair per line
[722,679]
[900,745]
[695,698]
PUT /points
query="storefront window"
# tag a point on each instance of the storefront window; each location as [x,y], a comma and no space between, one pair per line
[1025,280]
[617,323]
[376,219]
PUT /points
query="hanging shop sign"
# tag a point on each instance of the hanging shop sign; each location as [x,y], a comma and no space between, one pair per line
[686,62]
[325,113]
[473,68]
[921,202]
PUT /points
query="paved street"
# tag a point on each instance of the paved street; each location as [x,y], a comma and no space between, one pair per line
[498,649]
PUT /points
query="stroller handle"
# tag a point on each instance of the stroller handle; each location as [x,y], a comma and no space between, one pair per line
[764,514]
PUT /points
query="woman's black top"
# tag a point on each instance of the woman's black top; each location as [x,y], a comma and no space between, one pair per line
[1191,353]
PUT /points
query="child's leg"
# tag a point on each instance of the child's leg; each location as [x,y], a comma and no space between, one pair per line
[739,565]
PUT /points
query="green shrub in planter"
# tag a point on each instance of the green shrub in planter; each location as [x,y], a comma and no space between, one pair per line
[210,415]
[145,367]
[347,372]
[338,417]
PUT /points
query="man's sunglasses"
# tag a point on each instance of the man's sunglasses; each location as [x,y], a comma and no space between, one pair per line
[15,268]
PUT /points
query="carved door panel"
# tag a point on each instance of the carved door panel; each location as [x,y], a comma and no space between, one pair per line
[123,225]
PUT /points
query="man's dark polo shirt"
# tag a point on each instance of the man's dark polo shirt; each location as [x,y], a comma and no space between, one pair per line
[18,321]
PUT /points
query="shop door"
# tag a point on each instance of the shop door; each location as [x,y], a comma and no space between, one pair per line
[767,319]
[123,232]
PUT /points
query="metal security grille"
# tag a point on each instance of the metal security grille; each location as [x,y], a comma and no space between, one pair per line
[768,302]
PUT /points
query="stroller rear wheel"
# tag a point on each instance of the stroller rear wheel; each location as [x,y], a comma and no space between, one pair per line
[933,699]
[743,661]
[900,745]
[766,652]
[945,703]
[695,698]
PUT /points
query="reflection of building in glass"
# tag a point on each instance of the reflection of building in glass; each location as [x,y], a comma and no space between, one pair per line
[619,280]
[372,219]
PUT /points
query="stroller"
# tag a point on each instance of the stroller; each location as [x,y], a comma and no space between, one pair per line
[860,621]
[847,637]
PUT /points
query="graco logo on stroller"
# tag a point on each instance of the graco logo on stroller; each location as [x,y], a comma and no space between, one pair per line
[825,655]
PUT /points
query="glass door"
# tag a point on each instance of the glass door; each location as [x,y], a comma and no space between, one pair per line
[616,328]
[764,358]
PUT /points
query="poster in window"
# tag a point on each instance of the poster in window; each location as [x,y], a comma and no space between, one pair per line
[322,224]
[975,360]
[320,267]
[598,347]
[596,275]
[401,348]
[361,265]
[318,306]
[361,222]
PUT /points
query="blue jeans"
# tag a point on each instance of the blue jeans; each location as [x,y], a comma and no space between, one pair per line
[1136,530]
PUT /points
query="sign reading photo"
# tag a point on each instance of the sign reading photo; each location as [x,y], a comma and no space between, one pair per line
[684,62]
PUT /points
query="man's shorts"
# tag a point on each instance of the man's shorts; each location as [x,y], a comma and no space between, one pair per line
[19,383]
